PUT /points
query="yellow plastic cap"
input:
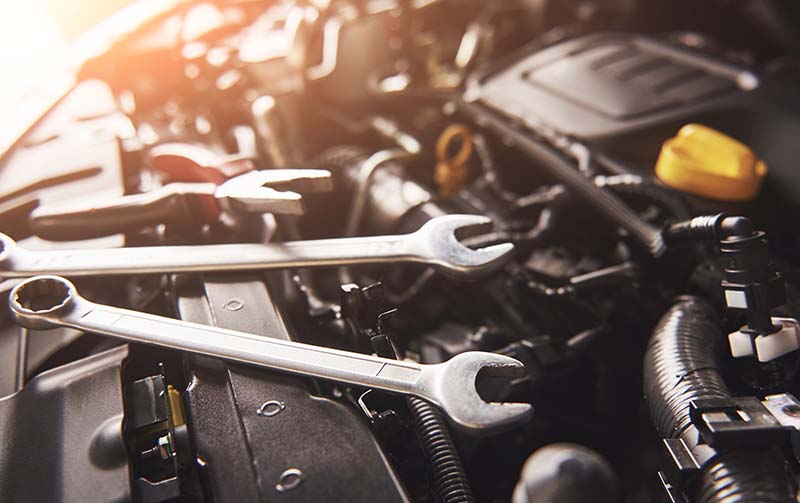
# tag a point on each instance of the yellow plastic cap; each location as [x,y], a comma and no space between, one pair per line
[705,162]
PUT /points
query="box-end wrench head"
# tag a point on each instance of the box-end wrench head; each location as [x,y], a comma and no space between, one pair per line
[438,242]
[36,302]
[45,302]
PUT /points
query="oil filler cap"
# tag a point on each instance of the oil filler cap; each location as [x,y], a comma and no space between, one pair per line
[702,161]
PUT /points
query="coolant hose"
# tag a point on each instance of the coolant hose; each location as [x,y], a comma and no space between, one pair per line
[680,365]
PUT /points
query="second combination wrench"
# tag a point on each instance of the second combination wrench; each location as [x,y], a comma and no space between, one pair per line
[47,302]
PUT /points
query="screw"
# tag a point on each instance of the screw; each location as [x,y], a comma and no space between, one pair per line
[163,450]
[791,410]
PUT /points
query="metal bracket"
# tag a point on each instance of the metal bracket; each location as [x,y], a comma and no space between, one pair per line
[745,421]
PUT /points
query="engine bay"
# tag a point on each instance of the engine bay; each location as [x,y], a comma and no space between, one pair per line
[409,250]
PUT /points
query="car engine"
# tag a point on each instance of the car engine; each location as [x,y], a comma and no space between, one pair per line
[525,251]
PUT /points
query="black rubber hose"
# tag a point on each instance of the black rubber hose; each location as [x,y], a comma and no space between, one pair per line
[449,479]
[709,227]
[634,185]
[680,365]
[603,201]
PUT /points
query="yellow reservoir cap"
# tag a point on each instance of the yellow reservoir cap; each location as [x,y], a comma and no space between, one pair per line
[705,162]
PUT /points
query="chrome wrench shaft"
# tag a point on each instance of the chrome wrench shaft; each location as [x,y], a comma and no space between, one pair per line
[50,301]
[435,244]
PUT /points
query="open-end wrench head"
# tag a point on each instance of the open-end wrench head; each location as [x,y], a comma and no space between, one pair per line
[35,300]
[438,241]
[272,191]
[458,396]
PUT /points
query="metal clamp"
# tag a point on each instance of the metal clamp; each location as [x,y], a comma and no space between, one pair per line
[726,423]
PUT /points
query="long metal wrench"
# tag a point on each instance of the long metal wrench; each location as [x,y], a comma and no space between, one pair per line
[435,244]
[47,302]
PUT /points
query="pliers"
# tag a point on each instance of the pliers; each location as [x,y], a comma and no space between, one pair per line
[182,204]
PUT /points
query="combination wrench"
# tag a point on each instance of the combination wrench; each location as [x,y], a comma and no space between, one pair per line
[435,244]
[46,302]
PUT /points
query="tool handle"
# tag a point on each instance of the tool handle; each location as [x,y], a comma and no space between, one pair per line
[266,352]
[166,205]
[222,257]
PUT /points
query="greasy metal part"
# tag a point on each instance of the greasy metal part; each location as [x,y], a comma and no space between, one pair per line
[552,160]
[251,192]
[268,126]
[151,435]
[330,50]
[22,358]
[391,194]
[435,243]
[475,33]
[410,147]
[50,301]
[62,435]
[365,174]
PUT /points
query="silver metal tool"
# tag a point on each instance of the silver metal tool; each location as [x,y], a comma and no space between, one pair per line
[434,244]
[266,191]
[47,302]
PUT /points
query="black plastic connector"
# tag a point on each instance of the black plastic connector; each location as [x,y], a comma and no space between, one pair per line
[751,283]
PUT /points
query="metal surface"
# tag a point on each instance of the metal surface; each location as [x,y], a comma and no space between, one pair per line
[435,244]
[76,150]
[270,130]
[50,301]
[409,147]
[38,350]
[22,358]
[251,192]
[785,408]
[62,435]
